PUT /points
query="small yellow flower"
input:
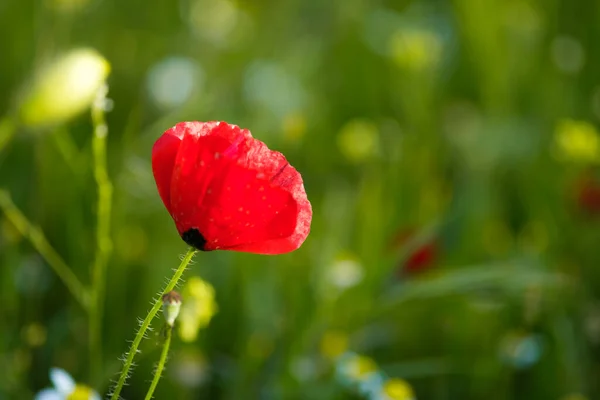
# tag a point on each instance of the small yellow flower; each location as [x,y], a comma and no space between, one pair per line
[397,389]
[358,140]
[577,141]
[64,88]
[81,392]
[415,50]
[294,126]
[334,344]
[34,334]
[197,309]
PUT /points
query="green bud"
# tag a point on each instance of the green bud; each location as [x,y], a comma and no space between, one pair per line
[64,88]
[171,306]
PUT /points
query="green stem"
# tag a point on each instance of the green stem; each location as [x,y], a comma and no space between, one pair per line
[146,323]
[39,242]
[161,363]
[8,128]
[103,241]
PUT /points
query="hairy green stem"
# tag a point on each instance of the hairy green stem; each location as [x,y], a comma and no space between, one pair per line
[146,323]
[103,241]
[161,363]
[42,246]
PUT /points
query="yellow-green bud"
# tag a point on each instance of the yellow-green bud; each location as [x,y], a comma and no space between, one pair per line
[171,306]
[64,88]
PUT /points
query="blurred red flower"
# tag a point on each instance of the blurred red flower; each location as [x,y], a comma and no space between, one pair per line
[226,190]
[588,195]
[419,258]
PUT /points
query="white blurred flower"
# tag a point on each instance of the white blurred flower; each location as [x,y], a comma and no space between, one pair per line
[190,368]
[65,388]
[354,368]
[345,273]
[304,369]
[269,85]
[172,81]
[65,88]
[521,350]
[568,54]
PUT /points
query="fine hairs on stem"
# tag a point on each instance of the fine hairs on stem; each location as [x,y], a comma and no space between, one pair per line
[161,362]
[146,323]
[103,241]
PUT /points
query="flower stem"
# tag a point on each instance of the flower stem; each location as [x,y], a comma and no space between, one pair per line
[146,323]
[41,245]
[161,363]
[103,242]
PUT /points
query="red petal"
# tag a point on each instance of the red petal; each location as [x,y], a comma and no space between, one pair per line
[199,161]
[164,152]
[236,192]
[242,212]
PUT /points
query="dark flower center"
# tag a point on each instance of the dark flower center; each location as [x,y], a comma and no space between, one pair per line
[194,238]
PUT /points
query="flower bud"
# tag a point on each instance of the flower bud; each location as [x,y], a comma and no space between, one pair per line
[171,306]
[64,88]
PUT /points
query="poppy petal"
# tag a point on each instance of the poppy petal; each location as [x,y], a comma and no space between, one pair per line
[199,161]
[227,190]
[164,152]
[250,209]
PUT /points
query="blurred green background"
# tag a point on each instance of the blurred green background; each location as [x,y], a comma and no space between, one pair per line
[450,152]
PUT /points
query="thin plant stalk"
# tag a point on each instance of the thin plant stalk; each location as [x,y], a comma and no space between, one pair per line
[146,323]
[161,362]
[42,246]
[103,241]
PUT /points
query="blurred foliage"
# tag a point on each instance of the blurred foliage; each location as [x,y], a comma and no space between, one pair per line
[470,124]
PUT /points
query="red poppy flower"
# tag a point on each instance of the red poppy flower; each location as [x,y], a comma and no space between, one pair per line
[588,195]
[226,190]
[419,259]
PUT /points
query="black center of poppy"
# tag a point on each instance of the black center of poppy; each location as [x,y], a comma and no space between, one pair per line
[194,238]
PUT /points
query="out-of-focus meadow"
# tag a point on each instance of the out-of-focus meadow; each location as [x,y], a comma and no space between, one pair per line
[450,150]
